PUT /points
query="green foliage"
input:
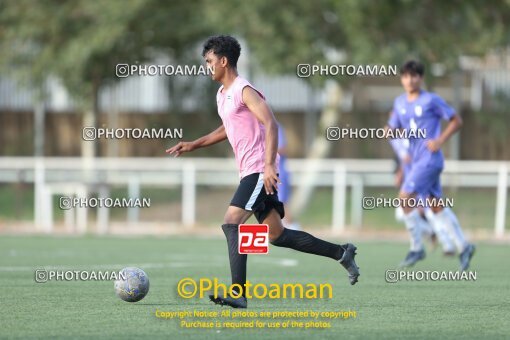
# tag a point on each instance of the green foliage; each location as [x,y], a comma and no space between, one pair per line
[81,41]
[286,33]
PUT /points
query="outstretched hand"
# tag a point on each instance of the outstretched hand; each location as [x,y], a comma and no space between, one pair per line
[180,148]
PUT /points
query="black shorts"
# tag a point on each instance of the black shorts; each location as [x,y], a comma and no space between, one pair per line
[251,196]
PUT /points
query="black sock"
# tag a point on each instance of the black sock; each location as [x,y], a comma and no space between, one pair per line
[301,241]
[237,261]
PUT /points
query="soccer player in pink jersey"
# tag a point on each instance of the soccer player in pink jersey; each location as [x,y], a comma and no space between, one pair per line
[251,128]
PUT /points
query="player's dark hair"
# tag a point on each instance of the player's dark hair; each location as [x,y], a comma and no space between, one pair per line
[412,67]
[223,46]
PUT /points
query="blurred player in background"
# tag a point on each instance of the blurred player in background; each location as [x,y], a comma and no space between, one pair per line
[418,109]
[400,147]
[252,130]
[284,189]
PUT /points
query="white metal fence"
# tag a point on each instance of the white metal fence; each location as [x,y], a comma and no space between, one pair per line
[80,176]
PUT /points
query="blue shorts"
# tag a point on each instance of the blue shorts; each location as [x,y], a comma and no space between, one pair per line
[424,181]
[406,169]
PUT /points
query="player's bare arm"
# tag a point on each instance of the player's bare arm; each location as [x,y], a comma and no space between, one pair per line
[282,151]
[452,127]
[258,106]
[387,127]
[387,130]
[214,137]
[399,175]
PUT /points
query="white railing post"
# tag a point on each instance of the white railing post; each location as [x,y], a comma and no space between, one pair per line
[133,192]
[339,191]
[47,206]
[39,193]
[188,194]
[356,198]
[502,190]
[81,212]
[102,218]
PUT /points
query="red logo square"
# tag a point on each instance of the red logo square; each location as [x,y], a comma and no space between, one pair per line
[253,239]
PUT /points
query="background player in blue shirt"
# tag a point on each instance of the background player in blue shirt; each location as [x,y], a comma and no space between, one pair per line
[417,109]
[401,148]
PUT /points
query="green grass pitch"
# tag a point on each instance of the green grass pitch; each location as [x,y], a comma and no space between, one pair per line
[91,310]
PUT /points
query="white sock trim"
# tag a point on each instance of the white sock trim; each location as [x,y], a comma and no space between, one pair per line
[412,223]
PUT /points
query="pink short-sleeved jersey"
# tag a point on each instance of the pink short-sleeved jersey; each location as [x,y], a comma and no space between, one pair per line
[245,133]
